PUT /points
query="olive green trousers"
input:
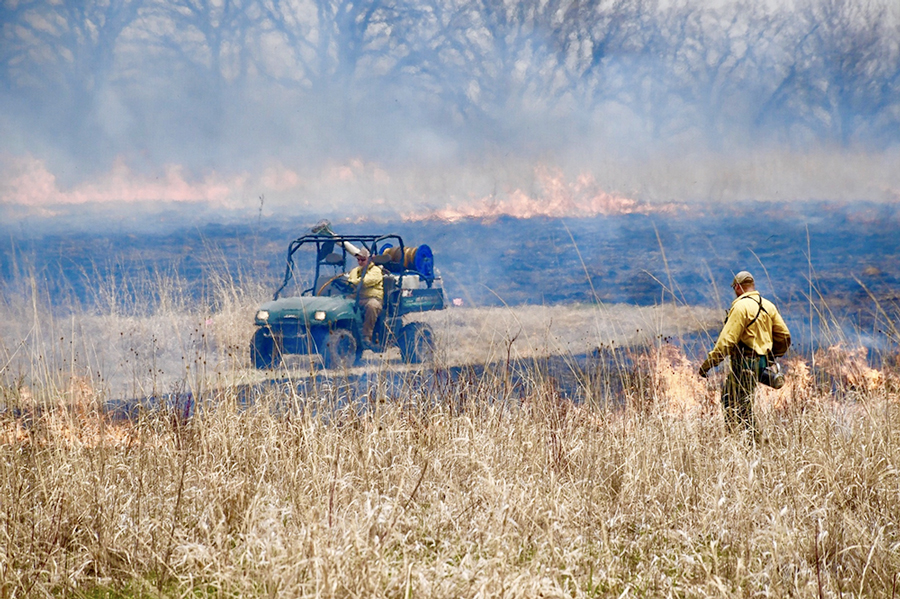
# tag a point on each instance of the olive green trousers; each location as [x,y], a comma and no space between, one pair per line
[737,393]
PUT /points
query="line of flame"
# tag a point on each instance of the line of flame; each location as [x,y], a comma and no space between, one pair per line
[554,197]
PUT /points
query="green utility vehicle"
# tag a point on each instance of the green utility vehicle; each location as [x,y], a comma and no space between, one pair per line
[321,314]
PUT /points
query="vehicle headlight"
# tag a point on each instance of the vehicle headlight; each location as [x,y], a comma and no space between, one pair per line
[319,315]
[262,315]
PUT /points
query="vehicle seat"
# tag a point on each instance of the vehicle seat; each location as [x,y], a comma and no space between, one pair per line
[390,286]
[390,260]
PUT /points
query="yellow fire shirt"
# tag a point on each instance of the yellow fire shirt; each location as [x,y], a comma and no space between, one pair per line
[762,334]
[373,283]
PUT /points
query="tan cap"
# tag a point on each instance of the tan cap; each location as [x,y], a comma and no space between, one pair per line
[742,278]
[362,253]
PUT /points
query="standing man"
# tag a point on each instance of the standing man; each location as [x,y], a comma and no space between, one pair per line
[754,332]
[369,280]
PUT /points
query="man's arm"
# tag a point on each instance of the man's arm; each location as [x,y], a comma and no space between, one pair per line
[728,339]
[374,276]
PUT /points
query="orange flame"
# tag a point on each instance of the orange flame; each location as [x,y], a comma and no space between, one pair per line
[57,429]
[798,388]
[554,197]
[27,181]
[686,395]
[676,383]
[848,366]
[74,421]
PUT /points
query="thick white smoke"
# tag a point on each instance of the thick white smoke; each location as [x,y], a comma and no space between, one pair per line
[365,108]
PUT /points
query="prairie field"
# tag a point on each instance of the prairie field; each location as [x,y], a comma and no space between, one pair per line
[485,474]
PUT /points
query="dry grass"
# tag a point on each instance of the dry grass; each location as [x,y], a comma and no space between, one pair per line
[481,335]
[469,487]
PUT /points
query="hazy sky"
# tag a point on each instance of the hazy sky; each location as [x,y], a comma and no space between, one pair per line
[465,107]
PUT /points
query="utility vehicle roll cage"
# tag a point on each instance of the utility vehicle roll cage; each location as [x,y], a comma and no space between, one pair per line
[325,247]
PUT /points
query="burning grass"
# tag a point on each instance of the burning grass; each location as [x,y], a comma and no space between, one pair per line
[478,485]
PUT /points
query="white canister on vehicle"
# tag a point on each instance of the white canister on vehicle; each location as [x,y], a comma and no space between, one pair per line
[411,282]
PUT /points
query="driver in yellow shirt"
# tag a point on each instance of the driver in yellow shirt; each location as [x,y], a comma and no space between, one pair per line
[369,281]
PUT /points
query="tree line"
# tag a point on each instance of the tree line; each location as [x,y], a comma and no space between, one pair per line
[811,71]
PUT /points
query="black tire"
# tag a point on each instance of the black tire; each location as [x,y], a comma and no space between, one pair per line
[340,349]
[416,343]
[263,351]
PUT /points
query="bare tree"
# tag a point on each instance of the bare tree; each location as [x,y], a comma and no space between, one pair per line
[327,42]
[843,73]
[472,55]
[67,49]
[710,65]
[502,71]
[208,39]
[65,43]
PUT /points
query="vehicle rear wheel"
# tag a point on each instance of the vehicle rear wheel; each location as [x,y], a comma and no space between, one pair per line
[263,350]
[340,349]
[416,343]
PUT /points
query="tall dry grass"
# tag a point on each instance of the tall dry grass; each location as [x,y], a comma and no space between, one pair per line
[437,487]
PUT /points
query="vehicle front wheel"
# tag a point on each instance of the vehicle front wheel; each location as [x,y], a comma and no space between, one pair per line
[340,349]
[416,343]
[263,351]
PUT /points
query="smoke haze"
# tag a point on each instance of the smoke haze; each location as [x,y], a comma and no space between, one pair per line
[366,108]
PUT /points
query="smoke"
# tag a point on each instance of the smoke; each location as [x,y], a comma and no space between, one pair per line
[364,109]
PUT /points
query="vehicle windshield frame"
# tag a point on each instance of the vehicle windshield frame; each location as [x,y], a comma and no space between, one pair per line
[371,243]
